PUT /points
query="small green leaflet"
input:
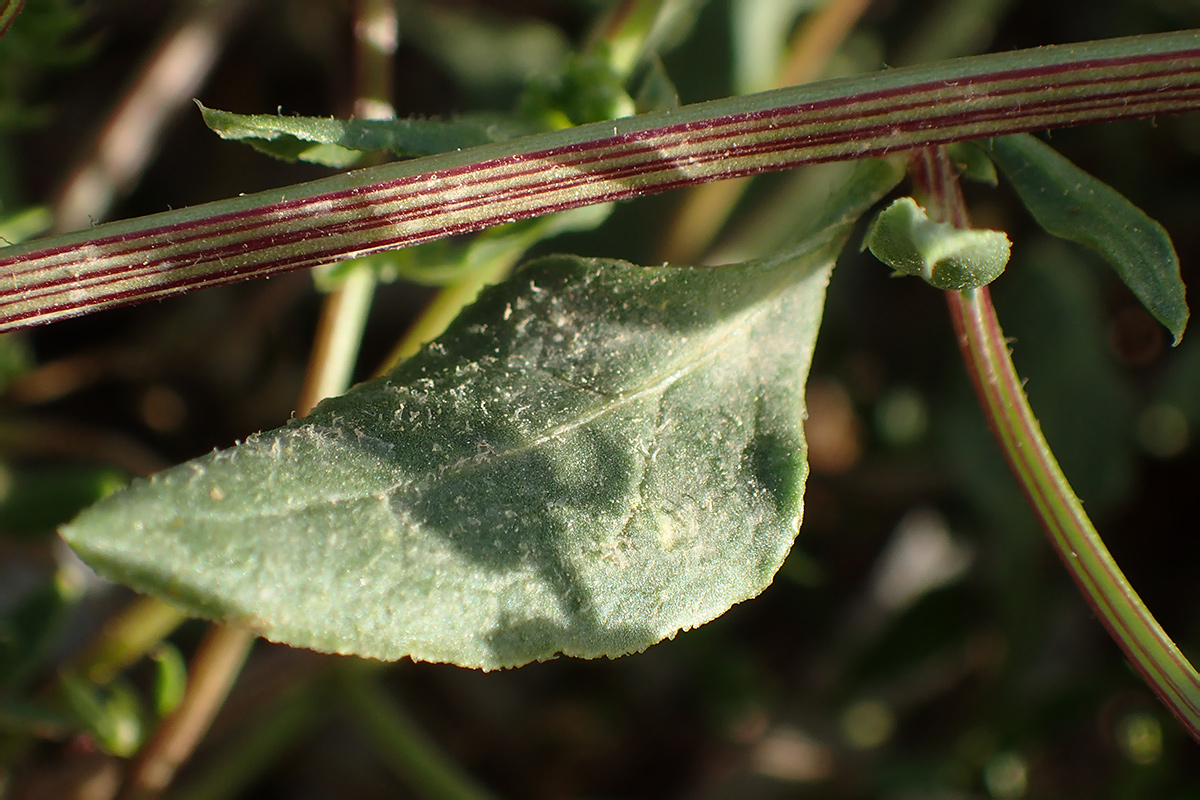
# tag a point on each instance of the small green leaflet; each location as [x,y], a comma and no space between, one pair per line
[593,457]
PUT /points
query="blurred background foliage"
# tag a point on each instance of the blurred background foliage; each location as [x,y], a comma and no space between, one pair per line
[921,641]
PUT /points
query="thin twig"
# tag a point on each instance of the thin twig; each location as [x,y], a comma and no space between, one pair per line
[213,670]
[163,87]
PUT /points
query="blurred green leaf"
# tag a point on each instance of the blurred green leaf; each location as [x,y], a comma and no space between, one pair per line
[25,224]
[905,239]
[27,631]
[111,715]
[656,91]
[170,678]
[36,500]
[38,39]
[587,89]
[1071,204]
[489,53]
[340,143]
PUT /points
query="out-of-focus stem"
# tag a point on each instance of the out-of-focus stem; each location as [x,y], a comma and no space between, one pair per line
[339,336]
[706,208]
[214,668]
[985,350]
[400,741]
[164,86]
[127,638]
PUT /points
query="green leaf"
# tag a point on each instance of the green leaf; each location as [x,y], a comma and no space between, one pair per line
[112,715]
[595,456]
[170,678]
[340,143]
[973,163]
[904,238]
[1073,205]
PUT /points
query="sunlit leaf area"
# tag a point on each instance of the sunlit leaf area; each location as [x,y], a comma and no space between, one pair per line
[565,492]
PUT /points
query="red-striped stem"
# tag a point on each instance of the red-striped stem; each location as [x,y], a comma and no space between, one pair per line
[1001,394]
[403,204]
[8,14]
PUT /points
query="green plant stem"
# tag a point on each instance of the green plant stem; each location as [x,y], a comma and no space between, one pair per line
[214,668]
[126,638]
[8,13]
[400,741]
[985,350]
[339,336]
[396,205]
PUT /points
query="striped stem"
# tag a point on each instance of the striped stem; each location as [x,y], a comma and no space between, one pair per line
[404,204]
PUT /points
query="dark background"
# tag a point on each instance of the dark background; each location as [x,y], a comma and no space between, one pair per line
[814,689]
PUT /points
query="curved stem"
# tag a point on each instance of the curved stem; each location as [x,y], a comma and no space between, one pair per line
[1165,669]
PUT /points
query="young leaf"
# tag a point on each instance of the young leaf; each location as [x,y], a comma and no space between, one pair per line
[1071,204]
[340,143]
[905,239]
[595,456]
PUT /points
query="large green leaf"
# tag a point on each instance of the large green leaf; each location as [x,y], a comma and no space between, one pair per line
[593,457]
[1071,204]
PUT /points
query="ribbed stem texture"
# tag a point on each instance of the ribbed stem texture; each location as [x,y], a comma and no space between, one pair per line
[403,204]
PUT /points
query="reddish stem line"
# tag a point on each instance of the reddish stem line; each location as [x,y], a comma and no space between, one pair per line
[401,205]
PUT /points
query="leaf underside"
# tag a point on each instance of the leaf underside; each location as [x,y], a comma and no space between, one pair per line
[341,143]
